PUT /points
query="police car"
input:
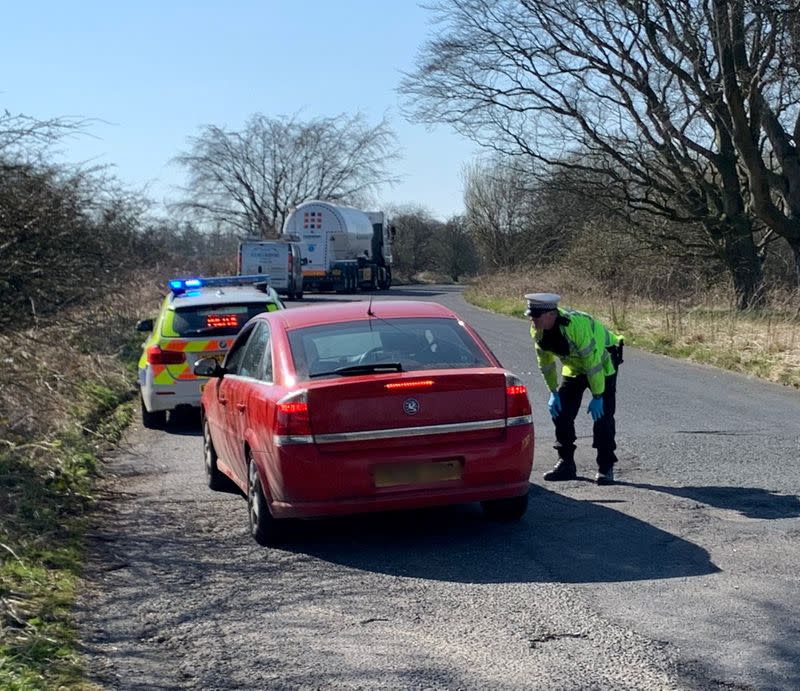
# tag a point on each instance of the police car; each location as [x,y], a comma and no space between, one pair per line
[199,318]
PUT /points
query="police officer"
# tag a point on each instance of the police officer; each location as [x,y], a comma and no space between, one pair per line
[590,356]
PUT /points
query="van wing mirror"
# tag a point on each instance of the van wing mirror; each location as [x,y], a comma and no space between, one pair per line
[144,325]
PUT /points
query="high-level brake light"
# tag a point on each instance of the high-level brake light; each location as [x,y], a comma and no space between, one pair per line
[408,385]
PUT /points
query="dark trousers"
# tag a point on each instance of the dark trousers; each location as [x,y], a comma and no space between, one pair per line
[604,430]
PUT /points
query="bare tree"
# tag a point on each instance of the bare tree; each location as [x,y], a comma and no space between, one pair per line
[250,180]
[518,216]
[496,199]
[27,139]
[414,245]
[757,44]
[629,91]
[454,250]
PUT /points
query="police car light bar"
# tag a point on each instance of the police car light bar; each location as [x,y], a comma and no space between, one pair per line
[181,285]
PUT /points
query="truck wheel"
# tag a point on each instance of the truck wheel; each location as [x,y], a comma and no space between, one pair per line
[385,279]
[155,420]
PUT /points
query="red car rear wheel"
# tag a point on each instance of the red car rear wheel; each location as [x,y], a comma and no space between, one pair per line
[214,478]
[263,527]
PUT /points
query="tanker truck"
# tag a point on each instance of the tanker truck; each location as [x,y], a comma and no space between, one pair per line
[344,249]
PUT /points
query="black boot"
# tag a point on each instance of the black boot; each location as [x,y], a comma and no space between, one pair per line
[563,470]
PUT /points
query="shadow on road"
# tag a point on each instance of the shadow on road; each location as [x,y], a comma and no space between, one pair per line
[184,422]
[559,540]
[752,502]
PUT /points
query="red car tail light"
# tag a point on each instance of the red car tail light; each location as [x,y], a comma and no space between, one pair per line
[518,406]
[292,420]
[156,356]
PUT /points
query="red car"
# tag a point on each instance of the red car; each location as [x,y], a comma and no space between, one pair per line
[356,406]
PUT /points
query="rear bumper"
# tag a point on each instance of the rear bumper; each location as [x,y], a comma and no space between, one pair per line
[308,480]
[158,397]
[409,500]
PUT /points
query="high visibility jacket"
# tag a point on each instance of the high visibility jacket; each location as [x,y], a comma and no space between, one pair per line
[588,342]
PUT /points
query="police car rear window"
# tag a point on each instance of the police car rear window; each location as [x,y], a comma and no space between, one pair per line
[214,320]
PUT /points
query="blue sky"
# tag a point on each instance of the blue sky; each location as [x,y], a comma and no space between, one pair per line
[154,72]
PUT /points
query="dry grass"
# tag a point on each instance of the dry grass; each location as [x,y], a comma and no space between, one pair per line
[47,369]
[763,343]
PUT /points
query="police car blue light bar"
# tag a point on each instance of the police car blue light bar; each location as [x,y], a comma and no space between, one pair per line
[181,285]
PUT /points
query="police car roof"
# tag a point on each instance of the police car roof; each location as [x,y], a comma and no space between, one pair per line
[226,295]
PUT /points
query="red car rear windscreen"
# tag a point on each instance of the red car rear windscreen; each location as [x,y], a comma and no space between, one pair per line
[414,343]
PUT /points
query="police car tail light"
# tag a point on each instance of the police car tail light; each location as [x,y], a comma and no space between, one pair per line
[156,356]
[293,423]
[518,406]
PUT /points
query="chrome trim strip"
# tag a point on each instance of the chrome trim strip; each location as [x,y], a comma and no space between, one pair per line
[411,431]
[521,420]
[286,439]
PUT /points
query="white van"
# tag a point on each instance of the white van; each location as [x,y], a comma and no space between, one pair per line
[281,259]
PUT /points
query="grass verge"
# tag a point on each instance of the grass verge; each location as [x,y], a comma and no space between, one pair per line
[762,343]
[45,489]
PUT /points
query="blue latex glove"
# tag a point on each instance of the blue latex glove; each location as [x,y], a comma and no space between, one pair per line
[554,405]
[596,408]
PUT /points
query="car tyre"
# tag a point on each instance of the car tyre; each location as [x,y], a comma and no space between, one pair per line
[152,420]
[263,527]
[511,509]
[215,479]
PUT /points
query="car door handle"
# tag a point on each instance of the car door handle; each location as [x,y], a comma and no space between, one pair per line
[241,407]
[223,401]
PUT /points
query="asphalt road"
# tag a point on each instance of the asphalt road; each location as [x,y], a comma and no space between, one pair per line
[683,575]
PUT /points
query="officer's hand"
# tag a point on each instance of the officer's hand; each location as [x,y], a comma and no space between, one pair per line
[554,405]
[596,408]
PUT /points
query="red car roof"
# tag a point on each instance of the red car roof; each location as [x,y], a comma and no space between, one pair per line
[354,310]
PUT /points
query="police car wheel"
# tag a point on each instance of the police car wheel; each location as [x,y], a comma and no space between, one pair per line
[153,420]
[511,509]
[216,480]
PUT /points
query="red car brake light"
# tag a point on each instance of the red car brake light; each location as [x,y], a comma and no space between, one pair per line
[518,406]
[292,420]
[408,385]
[156,356]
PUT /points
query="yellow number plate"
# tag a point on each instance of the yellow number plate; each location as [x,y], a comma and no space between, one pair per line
[416,473]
